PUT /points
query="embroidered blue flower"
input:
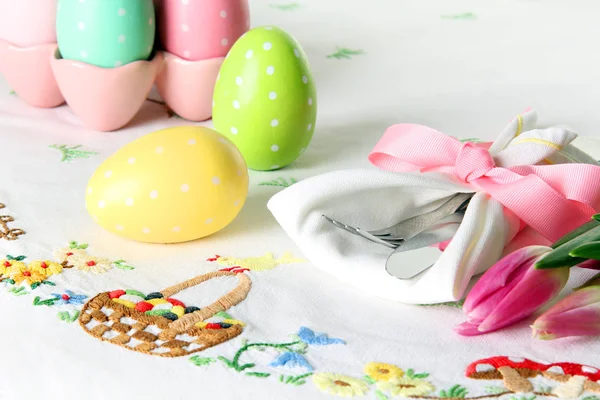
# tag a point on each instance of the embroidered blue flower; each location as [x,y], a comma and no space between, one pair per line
[308,336]
[291,360]
[69,298]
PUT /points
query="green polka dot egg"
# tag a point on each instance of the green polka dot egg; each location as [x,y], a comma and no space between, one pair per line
[265,99]
[105,33]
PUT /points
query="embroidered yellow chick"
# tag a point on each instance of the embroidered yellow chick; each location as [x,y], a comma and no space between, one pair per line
[264,263]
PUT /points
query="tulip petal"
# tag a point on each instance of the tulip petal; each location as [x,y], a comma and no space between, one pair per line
[583,321]
[467,329]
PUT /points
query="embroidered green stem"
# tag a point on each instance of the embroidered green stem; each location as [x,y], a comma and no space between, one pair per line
[258,374]
[68,317]
[122,264]
[298,380]
[281,182]
[467,15]
[18,291]
[234,364]
[202,361]
[72,153]
[345,53]
[412,375]
[380,395]
[369,380]
[48,302]
[285,7]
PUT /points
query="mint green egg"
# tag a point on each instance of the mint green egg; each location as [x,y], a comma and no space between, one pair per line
[265,99]
[106,33]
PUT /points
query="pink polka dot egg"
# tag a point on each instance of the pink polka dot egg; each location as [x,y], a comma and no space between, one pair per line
[174,185]
[201,29]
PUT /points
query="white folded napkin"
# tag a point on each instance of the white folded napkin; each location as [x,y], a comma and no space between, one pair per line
[374,199]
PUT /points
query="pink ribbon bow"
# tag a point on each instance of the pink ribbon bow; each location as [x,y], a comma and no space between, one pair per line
[552,199]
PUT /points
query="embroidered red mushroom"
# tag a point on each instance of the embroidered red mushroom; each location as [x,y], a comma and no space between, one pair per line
[515,371]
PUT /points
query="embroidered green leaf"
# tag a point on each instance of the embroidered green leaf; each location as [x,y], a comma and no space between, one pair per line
[122,264]
[224,315]
[157,312]
[35,285]
[245,366]
[494,389]
[202,361]
[18,290]
[49,283]
[466,16]
[258,374]
[68,317]
[18,258]
[72,153]
[281,182]
[74,245]
[380,395]
[523,398]
[369,380]
[285,7]
[411,374]
[345,53]
[591,398]
[455,391]
[10,281]
[545,389]
[226,361]
[48,302]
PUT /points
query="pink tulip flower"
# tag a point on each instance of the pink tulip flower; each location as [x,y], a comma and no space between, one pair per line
[510,291]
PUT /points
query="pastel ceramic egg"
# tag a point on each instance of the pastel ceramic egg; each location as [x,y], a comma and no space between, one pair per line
[106,33]
[26,23]
[265,98]
[174,185]
[198,30]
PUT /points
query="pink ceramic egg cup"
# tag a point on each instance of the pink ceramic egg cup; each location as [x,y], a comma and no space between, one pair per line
[27,71]
[187,86]
[105,99]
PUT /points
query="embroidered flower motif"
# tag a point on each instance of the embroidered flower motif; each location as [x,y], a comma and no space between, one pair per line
[68,254]
[382,371]
[8,267]
[308,336]
[406,387]
[87,263]
[28,277]
[340,385]
[264,263]
[68,298]
[291,360]
[46,268]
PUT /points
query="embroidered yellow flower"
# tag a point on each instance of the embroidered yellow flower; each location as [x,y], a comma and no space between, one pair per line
[46,268]
[28,277]
[383,372]
[340,385]
[264,263]
[406,387]
[8,267]
[68,254]
[87,263]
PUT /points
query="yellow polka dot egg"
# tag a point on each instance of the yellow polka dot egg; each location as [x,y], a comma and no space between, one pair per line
[170,186]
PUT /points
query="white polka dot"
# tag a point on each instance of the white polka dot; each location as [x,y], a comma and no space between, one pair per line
[185,188]
[131,160]
[236,104]
[224,42]
[234,130]
[84,54]
[146,230]
[309,127]
[122,12]
[129,202]
[216,180]
[187,54]
[275,167]
[192,141]
[118,63]
[108,174]
[223,14]
[249,54]
[310,101]
[305,79]
[267,46]
[151,21]
[236,203]
[270,70]
[274,123]
[185,27]
[160,150]
[176,229]
[185,2]
[154,194]
[274,148]
[297,53]
[122,38]
[81,26]
[89,191]
[119,228]
[209,221]
[101,204]
[272,95]
[239,81]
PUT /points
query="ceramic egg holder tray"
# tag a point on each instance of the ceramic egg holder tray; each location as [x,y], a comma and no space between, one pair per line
[107,99]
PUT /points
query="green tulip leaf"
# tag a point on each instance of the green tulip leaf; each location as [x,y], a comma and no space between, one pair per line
[561,256]
[577,232]
[589,250]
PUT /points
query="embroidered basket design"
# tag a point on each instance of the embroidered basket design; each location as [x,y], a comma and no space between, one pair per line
[116,323]
[5,231]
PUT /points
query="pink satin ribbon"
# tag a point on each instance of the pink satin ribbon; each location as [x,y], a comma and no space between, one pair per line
[552,199]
